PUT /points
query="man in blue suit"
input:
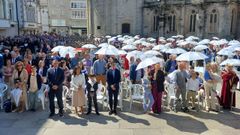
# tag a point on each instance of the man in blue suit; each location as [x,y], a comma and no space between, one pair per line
[55,78]
[113,80]
[136,76]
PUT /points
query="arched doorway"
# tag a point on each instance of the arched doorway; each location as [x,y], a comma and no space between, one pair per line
[125,28]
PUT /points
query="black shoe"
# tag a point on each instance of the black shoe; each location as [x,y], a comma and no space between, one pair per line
[51,115]
[110,112]
[60,114]
[33,110]
[193,108]
[185,109]
[115,112]
[88,113]
[175,110]
[97,113]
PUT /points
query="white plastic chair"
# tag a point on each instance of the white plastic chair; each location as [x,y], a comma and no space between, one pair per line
[41,94]
[171,94]
[64,93]
[3,90]
[101,94]
[136,94]
[128,87]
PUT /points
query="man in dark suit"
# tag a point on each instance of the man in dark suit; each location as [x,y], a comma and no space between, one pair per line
[113,80]
[55,78]
[136,76]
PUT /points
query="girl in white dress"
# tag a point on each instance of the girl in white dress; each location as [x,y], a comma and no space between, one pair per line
[78,85]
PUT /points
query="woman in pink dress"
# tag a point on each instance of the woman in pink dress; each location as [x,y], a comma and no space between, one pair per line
[8,72]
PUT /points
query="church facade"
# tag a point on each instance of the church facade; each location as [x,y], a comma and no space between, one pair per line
[202,18]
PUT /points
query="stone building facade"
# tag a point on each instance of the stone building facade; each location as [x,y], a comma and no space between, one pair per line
[202,18]
[19,17]
[68,16]
[115,17]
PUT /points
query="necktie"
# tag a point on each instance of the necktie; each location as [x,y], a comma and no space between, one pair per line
[55,73]
[113,72]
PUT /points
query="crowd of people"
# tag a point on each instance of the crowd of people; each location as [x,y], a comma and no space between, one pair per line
[27,63]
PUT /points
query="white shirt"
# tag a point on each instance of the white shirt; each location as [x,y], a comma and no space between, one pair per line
[193,84]
[78,80]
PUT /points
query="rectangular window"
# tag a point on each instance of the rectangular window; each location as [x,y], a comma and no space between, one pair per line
[78,4]
[79,14]
[11,15]
[193,23]
[30,14]
[154,23]
[174,23]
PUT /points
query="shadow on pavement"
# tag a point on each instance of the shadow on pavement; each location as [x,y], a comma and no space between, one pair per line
[225,117]
[131,119]
[183,123]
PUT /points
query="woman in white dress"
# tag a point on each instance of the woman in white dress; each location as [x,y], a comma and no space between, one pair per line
[78,85]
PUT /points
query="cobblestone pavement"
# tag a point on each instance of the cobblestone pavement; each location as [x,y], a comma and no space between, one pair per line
[126,123]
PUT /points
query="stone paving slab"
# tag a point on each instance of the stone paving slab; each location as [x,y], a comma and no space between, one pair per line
[126,123]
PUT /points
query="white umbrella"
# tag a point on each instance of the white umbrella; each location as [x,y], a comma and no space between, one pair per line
[225,52]
[119,36]
[108,36]
[122,52]
[215,38]
[191,38]
[234,43]
[57,48]
[103,45]
[152,53]
[137,42]
[176,51]
[214,42]
[129,41]
[193,43]
[174,37]
[136,54]
[137,37]
[151,39]
[200,47]
[191,56]
[162,38]
[223,41]
[142,39]
[129,47]
[89,46]
[237,49]
[146,44]
[160,47]
[204,42]
[170,39]
[108,50]
[180,36]
[68,50]
[234,62]
[182,43]
[232,48]
[148,62]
